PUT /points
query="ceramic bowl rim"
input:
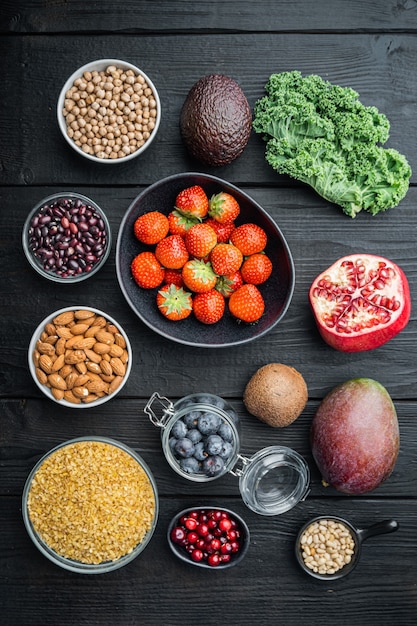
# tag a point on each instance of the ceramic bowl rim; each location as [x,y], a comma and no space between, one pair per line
[248,198]
[35,263]
[99,65]
[45,390]
[76,566]
[239,557]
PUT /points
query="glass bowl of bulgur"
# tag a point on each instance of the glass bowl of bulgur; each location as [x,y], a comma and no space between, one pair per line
[109,111]
[90,505]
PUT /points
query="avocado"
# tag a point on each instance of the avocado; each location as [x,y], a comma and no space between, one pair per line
[215,120]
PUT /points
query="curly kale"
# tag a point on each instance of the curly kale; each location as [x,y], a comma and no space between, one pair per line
[322,135]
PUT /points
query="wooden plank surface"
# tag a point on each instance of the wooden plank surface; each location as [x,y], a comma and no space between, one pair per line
[366,44]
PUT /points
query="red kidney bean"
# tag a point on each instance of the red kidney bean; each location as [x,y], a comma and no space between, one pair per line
[68,237]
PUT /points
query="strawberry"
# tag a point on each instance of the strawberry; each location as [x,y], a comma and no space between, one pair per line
[171,252]
[256,269]
[151,227]
[247,304]
[249,238]
[173,277]
[198,276]
[223,207]
[179,224]
[200,240]
[225,259]
[226,285]
[147,271]
[209,306]
[173,302]
[192,202]
[223,231]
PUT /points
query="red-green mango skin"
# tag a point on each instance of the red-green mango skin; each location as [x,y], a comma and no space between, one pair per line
[355,436]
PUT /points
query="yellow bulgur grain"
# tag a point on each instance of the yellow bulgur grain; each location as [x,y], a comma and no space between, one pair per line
[91,501]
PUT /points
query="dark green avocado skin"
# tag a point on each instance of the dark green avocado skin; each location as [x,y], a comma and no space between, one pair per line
[215,120]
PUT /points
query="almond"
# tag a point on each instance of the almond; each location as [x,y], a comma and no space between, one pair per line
[100,321]
[93,367]
[104,337]
[36,356]
[108,379]
[80,392]
[92,331]
[45,363]
[69,397]
[92,356]
[57,393]
[55,380]
[106,368]
[58,363]
[52,339]
[64,318]
[44,348]
[84,342]
[92,397]
[74,356]
[70,379]
[101,348]
[124,357]
[115,384]
[96,386]
[79,329]
[116,350]
[83,314]
[117,366]
[120,340]
[81,380]
[66,370]
[41,376]
[81,367]
[63,331]
[60,346]
[50,329]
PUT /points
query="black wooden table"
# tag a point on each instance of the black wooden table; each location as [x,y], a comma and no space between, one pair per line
[369,45]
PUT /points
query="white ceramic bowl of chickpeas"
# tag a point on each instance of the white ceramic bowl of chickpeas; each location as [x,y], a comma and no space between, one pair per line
[109,111]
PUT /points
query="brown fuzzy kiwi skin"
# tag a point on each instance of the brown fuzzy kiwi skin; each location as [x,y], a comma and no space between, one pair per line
[276,394]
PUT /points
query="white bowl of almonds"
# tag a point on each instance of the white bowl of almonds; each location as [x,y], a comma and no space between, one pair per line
[109,111]
[80,357]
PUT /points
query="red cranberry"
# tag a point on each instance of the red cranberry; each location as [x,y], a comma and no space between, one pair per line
[225,524]
[192,537]
[213,559]
[191,523]
[202,530]
[178,535]
[197,555]
[225,558]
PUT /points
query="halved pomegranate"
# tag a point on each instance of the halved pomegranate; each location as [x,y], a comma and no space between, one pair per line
[360,302]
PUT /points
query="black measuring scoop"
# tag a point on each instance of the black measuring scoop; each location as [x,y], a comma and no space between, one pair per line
[359,535]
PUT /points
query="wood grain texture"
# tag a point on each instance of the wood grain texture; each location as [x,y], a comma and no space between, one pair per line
[366,44]
[23,16]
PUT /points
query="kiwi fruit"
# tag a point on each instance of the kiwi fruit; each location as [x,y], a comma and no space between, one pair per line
[276,394]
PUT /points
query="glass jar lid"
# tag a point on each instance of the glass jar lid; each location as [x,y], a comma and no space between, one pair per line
[273,480]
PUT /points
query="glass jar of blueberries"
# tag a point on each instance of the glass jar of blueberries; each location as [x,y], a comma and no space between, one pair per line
[201,442]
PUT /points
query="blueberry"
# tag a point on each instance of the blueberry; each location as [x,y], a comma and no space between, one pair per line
[211,400]
[184,447]
[172,442]
[179,429]
[233,415]
[225,432]
[189,465]
[214,444]
[199,452]
[226,450]
[191,418]
[213,465]
[208,423]
[194,435]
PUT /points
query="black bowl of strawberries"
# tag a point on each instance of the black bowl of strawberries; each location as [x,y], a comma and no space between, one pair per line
[209,537]
[203,264]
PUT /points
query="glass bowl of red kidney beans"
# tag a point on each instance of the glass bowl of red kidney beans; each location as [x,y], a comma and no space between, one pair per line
[66,237]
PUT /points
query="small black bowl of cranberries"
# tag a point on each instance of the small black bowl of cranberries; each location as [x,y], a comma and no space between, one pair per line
[66,237]
[209,537]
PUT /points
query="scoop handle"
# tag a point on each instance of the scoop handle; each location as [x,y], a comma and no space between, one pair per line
[381,528]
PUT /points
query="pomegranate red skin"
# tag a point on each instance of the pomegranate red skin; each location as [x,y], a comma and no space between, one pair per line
[355,436]
[376,335]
